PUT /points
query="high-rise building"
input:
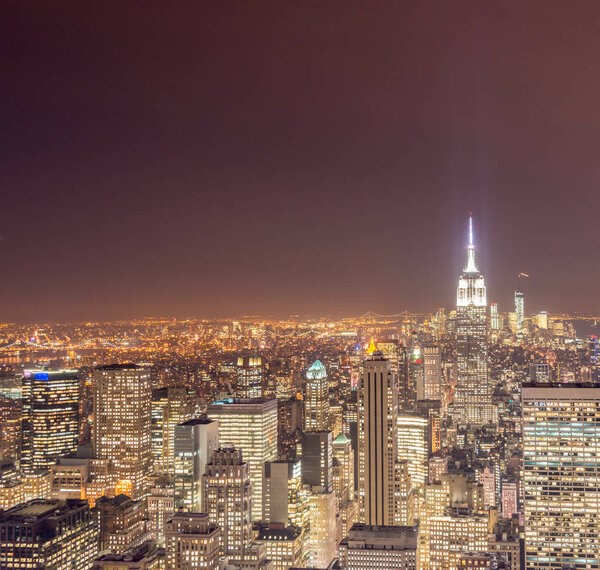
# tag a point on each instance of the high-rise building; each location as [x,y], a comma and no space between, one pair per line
[561,475]
[227,499]
[286,500]
[122,409]
[48,534]
[413,446]
[510,499]
[249,425]
[316,398]
[520,311]
[284,545]
[377,441]
[171,406]
[379,547]
[122,523]
[161,506]
[541,320]
[452,534]
[194,443]
[473,395]
[250,377]
[494,317]
[50,426]
[317,457]
[432,373]
[192,541]
[344,455]
[323,527]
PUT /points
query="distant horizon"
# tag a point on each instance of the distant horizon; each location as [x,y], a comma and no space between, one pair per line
[198,170]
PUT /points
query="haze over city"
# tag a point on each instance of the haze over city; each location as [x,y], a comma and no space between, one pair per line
[295,158]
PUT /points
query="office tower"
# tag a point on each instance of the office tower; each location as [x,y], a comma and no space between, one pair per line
[452,534]
[323,527]
[316,398]
[432,373]
[194,443]
[377,441]
[541,320]
[416,375]
[494,317]
[510,504]
[192,541]
[343,483]
[379,547]
[283,545]
[50,425]
[48,534]
[10,428]
[488,480]
[122,408]
[227,499]
[171,406]
[317,456]
[250,377]
[343,454]
[412,446]
[122,523]
[286,501]
[249,425]
[520,311]
[561,475]
[473,395]
[161,506]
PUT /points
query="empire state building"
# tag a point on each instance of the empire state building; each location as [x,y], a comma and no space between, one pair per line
[473,395]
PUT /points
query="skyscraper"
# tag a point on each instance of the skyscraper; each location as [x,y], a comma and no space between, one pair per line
[170,406]
[412,445]
[317,456]
[473,396]
[520,311]
[251,426]
[48,534]
[50,417]
[227,499]
[250,377]
[494,317]
[316,398]
[377,441]
[432,373]
[561,475]
[122,407]
[192,541]
[195,442]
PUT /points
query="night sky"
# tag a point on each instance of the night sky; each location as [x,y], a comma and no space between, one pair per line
[235,158]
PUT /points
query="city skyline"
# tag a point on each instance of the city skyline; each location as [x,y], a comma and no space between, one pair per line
[196,170]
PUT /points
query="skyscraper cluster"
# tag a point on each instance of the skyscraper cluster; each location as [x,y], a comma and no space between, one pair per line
[467,438]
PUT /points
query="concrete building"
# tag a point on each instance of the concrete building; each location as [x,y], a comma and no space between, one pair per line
[195,442]
[48,534]
[249,425]
[192,541]
[121,435]
[379,548]
[227,499]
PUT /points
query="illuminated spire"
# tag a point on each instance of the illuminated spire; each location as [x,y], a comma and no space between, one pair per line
[471,266]
[372,348]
